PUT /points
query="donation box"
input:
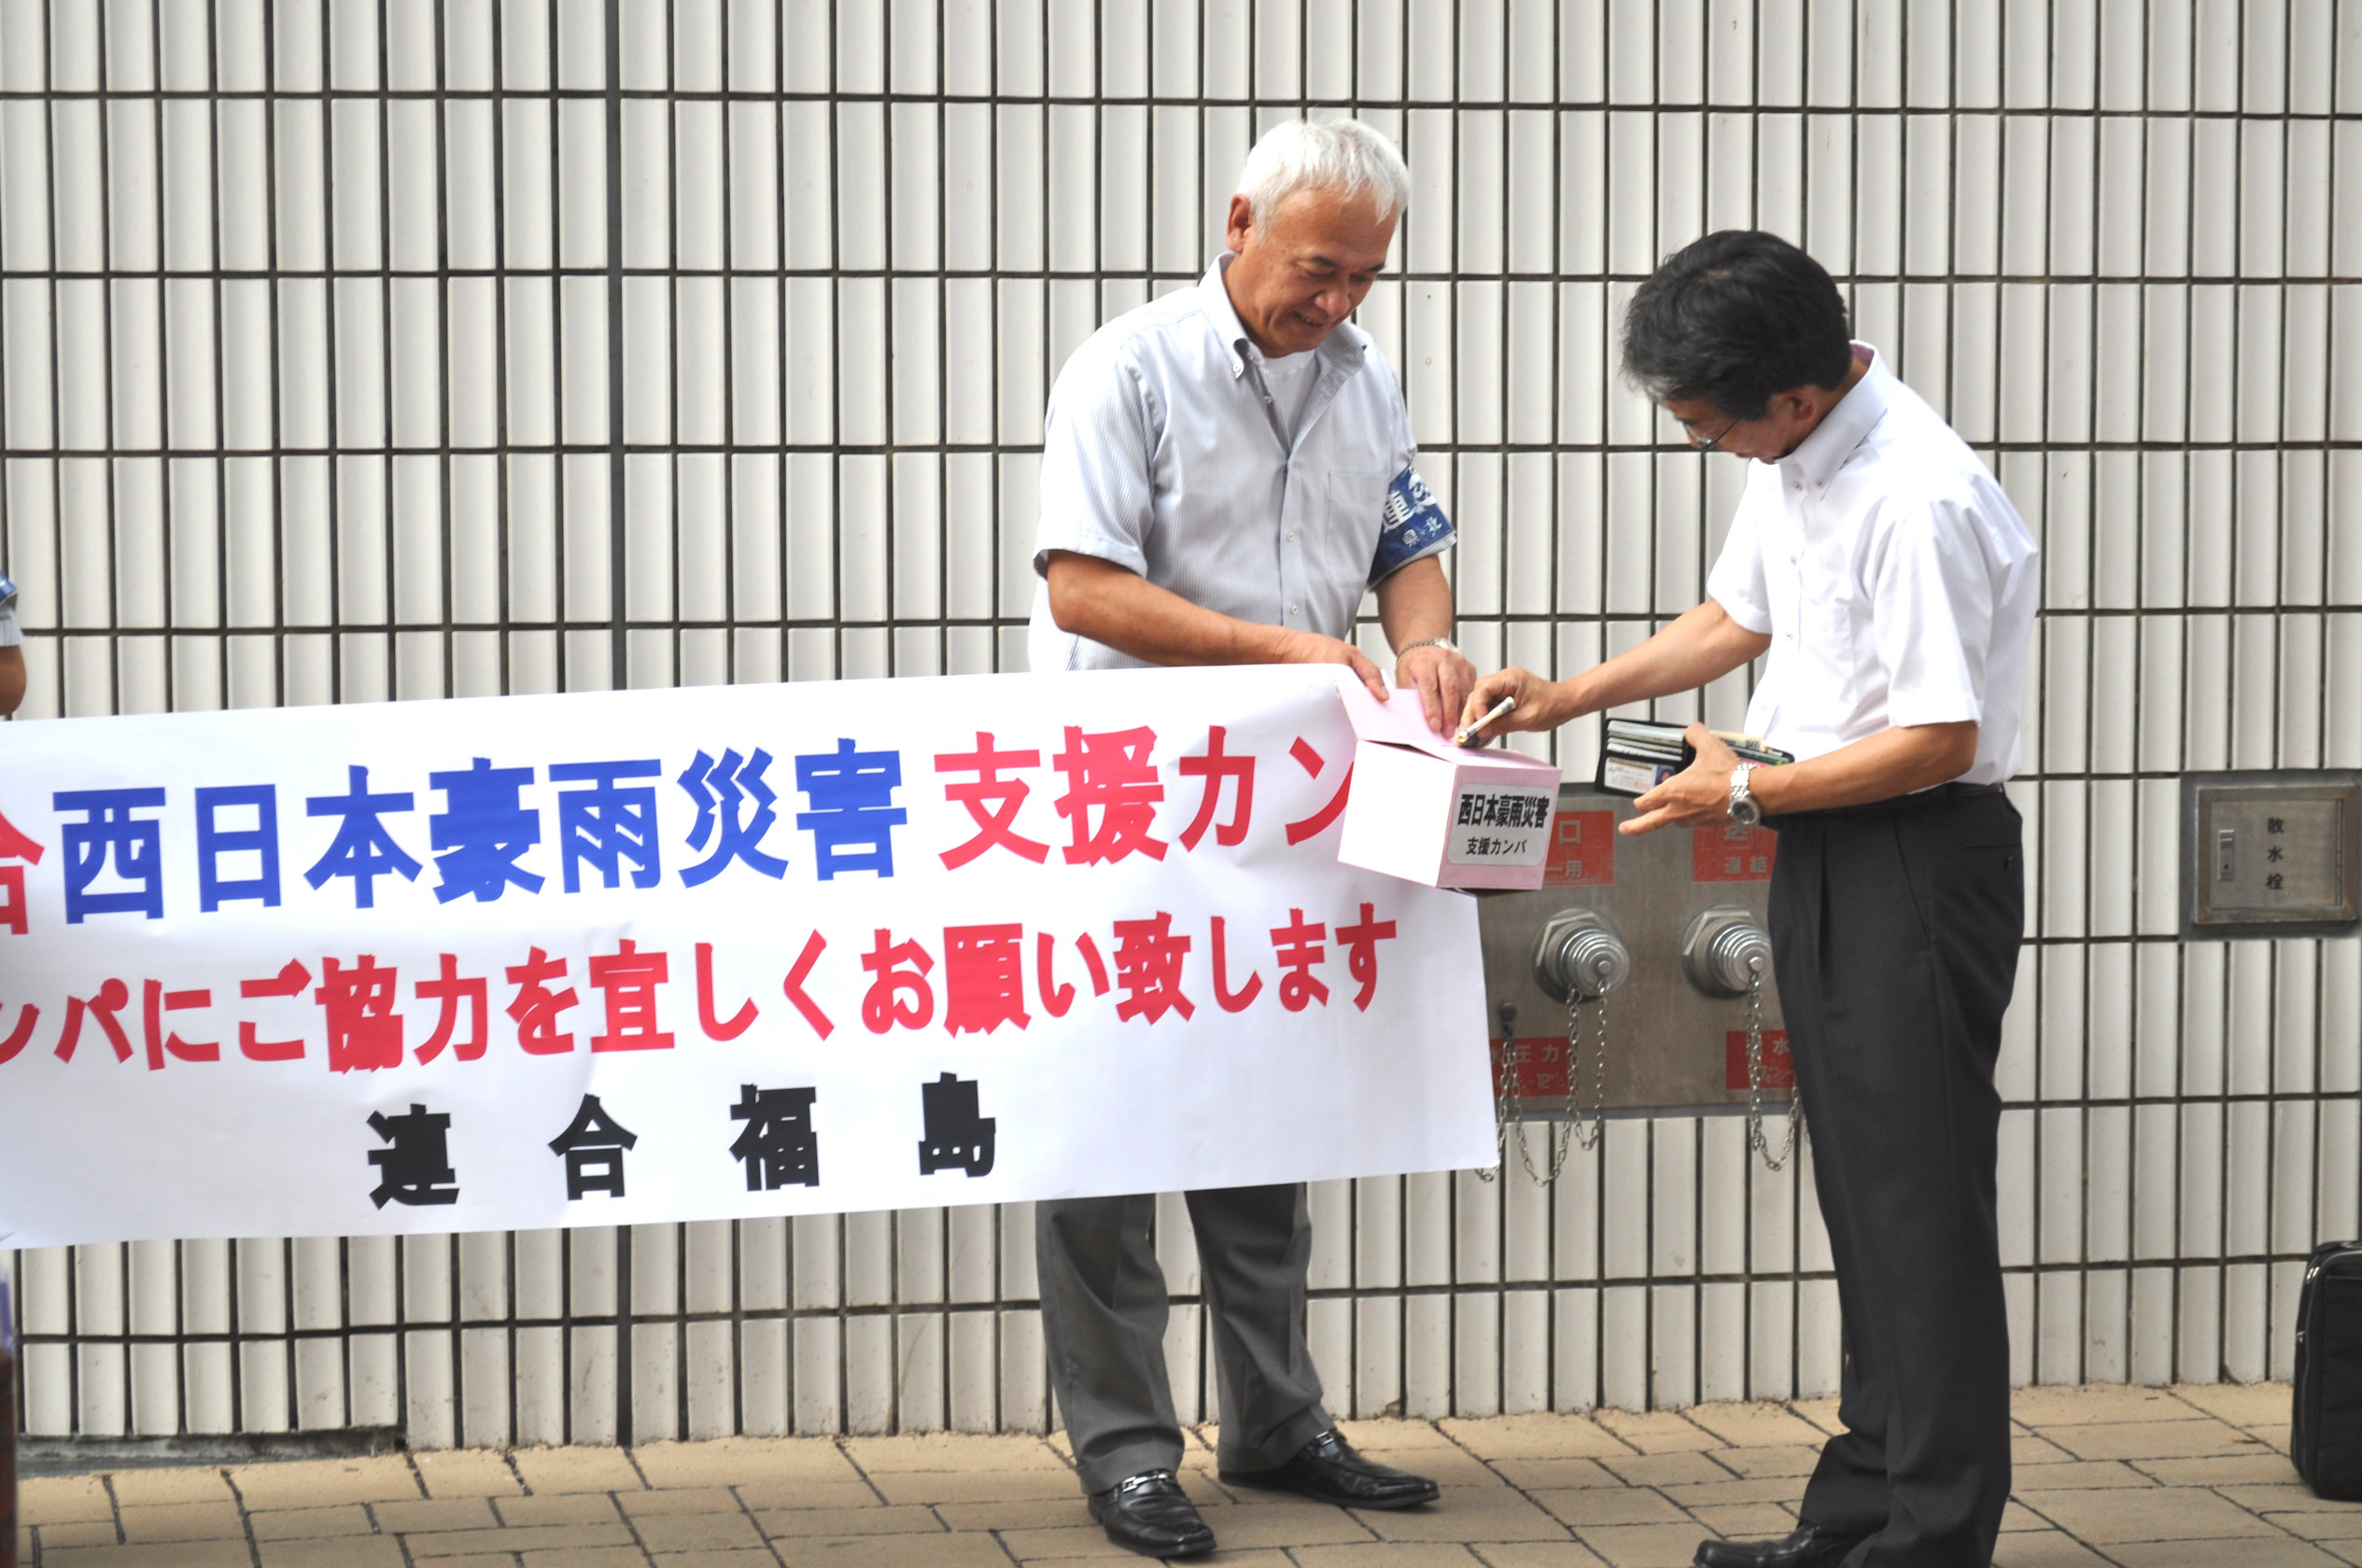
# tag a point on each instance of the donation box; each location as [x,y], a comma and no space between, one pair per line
[1448,816]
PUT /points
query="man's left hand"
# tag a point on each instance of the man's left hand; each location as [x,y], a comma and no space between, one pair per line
[1442,677]
[1700,792]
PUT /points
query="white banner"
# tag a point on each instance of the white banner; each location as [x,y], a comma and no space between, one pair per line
[699,953]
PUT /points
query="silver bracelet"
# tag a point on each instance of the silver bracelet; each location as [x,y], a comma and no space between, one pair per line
[1444,643]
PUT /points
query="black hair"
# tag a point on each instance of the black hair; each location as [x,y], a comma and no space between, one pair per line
[1733,318]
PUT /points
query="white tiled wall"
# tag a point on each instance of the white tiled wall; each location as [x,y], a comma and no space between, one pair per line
[358,349]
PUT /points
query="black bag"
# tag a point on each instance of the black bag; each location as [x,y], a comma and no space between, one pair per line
[2325,1440]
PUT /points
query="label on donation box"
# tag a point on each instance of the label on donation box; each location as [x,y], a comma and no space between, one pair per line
[1448,816]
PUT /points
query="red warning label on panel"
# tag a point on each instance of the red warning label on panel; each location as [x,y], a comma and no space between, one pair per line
[1731,853]
[1582,850]
[1541,1066]
[1779,1068]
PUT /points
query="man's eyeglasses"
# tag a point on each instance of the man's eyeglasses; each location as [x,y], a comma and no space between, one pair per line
[1705,447]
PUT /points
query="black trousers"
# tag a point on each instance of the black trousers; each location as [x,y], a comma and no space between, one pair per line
[1894,937]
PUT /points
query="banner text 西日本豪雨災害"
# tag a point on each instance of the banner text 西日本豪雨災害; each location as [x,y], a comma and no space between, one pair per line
[626,956]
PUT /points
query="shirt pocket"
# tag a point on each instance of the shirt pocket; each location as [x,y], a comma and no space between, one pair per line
[1357,511]
[1826,618]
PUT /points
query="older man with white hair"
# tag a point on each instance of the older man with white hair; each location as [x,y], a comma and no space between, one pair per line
[1225,473]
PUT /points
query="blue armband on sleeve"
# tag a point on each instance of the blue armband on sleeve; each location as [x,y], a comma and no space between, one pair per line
[1414,526]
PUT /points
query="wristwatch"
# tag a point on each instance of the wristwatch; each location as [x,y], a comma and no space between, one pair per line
[1744,809]
[1444,643]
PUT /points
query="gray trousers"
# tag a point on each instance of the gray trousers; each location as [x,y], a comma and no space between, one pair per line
[1103,1311]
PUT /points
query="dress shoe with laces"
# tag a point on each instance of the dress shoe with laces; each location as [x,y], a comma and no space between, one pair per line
[1328,1470]
[1151,1515]
[1810,1547]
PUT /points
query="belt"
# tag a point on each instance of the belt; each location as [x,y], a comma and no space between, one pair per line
[1943,794]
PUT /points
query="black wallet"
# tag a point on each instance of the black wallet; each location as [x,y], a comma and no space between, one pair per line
[1636,755]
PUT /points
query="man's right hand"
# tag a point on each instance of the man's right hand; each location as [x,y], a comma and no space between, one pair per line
[1541,704]
[1311,648]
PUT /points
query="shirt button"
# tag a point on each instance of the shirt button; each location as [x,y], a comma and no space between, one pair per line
[1291,609]
[1291,537]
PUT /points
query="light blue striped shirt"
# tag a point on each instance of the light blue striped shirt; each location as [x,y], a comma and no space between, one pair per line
[1163,453]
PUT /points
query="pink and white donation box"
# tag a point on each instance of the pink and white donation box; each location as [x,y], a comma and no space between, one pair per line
[1447,816]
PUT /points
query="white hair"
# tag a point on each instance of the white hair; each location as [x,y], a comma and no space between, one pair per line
[1341,155]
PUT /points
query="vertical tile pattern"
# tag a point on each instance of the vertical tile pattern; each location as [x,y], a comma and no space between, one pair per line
[308,315]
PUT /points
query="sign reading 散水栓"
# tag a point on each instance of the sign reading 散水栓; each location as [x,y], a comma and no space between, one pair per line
[646,955]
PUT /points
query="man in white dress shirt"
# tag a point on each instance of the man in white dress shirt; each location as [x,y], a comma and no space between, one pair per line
[1891,588]
[1226,471]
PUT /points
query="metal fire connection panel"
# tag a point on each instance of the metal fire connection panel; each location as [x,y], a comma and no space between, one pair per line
[1688,907]
[2271,854]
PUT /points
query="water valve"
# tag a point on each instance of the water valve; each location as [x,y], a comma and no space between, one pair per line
[1725,952]
[1579,955]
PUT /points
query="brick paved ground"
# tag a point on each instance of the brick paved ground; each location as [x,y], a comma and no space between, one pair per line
[2139,1477]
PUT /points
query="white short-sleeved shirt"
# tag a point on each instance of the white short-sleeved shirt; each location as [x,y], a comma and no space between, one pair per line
[1165,451]
[1896,581]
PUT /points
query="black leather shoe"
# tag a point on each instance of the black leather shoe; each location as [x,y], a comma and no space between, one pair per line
[1810,1547]
[1328,1469]
[1151,1515]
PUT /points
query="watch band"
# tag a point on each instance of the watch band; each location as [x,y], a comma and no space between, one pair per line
[1743,808]
[1444,643]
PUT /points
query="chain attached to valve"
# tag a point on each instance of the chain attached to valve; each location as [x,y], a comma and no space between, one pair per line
[1580,959]
[1755,1138]
[1726,953]
[1506,1104]
[1585,1138]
